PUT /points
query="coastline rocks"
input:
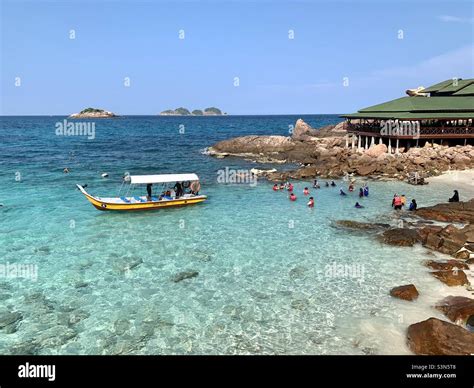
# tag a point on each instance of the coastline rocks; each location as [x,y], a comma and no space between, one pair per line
[349,224]
[401,237]
[184,275]
[9,321]
[436,337]
[452,277]
[449,212]
[457,308]
[252,145]
[376,151]
[449,265]
[302,131]
[407,292]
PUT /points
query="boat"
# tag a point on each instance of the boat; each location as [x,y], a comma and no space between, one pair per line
[129,202]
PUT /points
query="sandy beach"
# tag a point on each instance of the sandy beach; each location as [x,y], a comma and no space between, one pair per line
[463,181]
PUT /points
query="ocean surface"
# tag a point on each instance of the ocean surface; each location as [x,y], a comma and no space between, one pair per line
[270,278]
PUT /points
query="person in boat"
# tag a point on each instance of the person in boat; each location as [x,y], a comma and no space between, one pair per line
[397,203]
[366,191]
[306,191]
[311,202]
[351,187]
[333,184]
[178,187]
[148,191]
[292,197]
[341,192]
[167,194]
[275,187]
[455,197]
[358,205]
[413,205]
[195,187]
[361,192]
[403,199]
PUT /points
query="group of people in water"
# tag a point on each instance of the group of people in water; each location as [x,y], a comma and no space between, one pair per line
[363,192]
[400,201]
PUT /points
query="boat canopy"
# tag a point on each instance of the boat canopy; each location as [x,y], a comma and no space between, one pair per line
[164,178]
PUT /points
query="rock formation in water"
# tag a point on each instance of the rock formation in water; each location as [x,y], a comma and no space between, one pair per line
[93,113]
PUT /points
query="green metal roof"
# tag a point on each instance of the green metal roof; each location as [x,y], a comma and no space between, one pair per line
[446,100]
[468,90]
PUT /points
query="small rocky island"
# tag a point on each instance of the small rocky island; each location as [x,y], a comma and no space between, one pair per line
[92,113]
[212,111]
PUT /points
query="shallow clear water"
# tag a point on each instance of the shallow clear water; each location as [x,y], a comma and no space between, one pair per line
[104,281]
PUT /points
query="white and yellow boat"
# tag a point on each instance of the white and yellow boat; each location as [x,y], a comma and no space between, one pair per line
[145,202]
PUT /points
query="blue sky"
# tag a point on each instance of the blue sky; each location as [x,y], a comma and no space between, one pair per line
[223,40]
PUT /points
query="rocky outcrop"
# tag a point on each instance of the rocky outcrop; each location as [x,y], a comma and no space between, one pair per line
[457,308]
[92,113]
[402,237]
[356,225]
[436,337]
[452,277]
[449,265]
[407,292]
[449,212]
[324,150]
[184,275]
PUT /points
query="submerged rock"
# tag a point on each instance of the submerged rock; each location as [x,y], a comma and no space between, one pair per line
[457,308]
[349,224]
[407,292]
[402,237]
[9,321]
[436,337]
[184,275]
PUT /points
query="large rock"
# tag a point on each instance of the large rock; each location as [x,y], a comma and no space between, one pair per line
[408,292]
[377,150]
[457,308]
[356,225]
[366,169]
[452,277]
[184,275]
[253,144]
[436,337]
[449,212]
[446,265]
[402,237]
[302,131]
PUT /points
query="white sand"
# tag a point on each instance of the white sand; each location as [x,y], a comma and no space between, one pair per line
[463,181]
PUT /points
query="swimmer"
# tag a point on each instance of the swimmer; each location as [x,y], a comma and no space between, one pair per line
[413,205]
[327,184]
[366,191]
[341,192]
[292,197]
[275,187]
[311,202]
[306,191]
[351,187]
[333,184]
[66,170]
[358,205]
[282,186]
[361,192]
[290,187]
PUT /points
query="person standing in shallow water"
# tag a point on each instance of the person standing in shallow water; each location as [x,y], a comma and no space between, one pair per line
[413,205]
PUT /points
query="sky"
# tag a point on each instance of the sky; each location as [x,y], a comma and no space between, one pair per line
[244,57]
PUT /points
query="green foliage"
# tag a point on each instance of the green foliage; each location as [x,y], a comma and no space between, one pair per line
[213,110]
[197,112]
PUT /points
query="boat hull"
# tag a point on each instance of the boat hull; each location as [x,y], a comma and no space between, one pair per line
[104,205]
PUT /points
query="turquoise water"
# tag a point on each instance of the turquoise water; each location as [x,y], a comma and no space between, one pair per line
[104,282]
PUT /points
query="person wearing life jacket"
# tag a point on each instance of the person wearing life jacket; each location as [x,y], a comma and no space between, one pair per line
[306,191]
[275,187]
[292,197]
[361,192]
[397,203]
[282,186]
[311,202]
[403,199]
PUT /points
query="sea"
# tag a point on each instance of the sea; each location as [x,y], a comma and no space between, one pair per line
[266,275]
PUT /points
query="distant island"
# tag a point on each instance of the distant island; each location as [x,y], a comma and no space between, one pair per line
[212,111]
[92,113]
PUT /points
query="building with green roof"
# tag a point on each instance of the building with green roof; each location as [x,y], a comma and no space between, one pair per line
[443,112]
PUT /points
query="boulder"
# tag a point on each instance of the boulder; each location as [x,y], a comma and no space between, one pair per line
[407,292]
[377,150]
[402,237]
[447,265]
[437,337]
[302,131]
[367,169]
[184,275]
[449,212]
[252,144]
[427,230]
[452,277]
[457,308]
